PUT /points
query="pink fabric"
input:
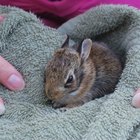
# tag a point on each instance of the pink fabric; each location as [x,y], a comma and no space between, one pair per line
[55,12]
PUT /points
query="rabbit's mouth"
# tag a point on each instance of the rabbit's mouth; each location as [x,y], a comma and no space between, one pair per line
[73,92]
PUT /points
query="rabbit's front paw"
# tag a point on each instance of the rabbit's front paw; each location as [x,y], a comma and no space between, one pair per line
[57,105]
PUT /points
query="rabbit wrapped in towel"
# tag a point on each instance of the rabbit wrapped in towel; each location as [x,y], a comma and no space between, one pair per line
[80,73]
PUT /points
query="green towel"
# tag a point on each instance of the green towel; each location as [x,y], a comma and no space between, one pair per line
[28,45]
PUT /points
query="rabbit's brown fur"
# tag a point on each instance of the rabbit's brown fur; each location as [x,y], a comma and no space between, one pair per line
[93,77]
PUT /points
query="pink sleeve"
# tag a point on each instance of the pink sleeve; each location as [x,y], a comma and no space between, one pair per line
[59,7]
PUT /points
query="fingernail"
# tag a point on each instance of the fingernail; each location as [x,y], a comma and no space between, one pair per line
[15,82]
[2,107]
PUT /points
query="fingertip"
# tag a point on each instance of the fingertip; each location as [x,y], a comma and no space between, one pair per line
[10,77]
[15,82]
[136,100]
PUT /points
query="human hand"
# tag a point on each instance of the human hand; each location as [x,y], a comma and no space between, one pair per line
[9,76]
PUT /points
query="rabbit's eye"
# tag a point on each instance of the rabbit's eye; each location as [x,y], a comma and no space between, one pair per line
[70,79]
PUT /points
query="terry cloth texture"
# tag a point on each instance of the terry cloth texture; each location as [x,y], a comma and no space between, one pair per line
[28,45]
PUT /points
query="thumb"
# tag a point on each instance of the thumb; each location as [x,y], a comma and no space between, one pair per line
[9,76]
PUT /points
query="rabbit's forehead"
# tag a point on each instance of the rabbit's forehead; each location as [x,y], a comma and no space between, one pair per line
[65,61]
[66,53]
[60,70]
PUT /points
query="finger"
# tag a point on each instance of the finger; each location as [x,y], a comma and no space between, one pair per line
[10,77]
[2,107]
[136,99]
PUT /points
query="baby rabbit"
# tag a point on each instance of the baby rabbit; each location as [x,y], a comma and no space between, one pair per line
[78,74]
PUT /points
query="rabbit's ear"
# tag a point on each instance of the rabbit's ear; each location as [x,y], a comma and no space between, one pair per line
[85,49]
[66,43]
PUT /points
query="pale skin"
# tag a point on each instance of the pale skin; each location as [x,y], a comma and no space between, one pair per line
[136,99]
[13,80]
